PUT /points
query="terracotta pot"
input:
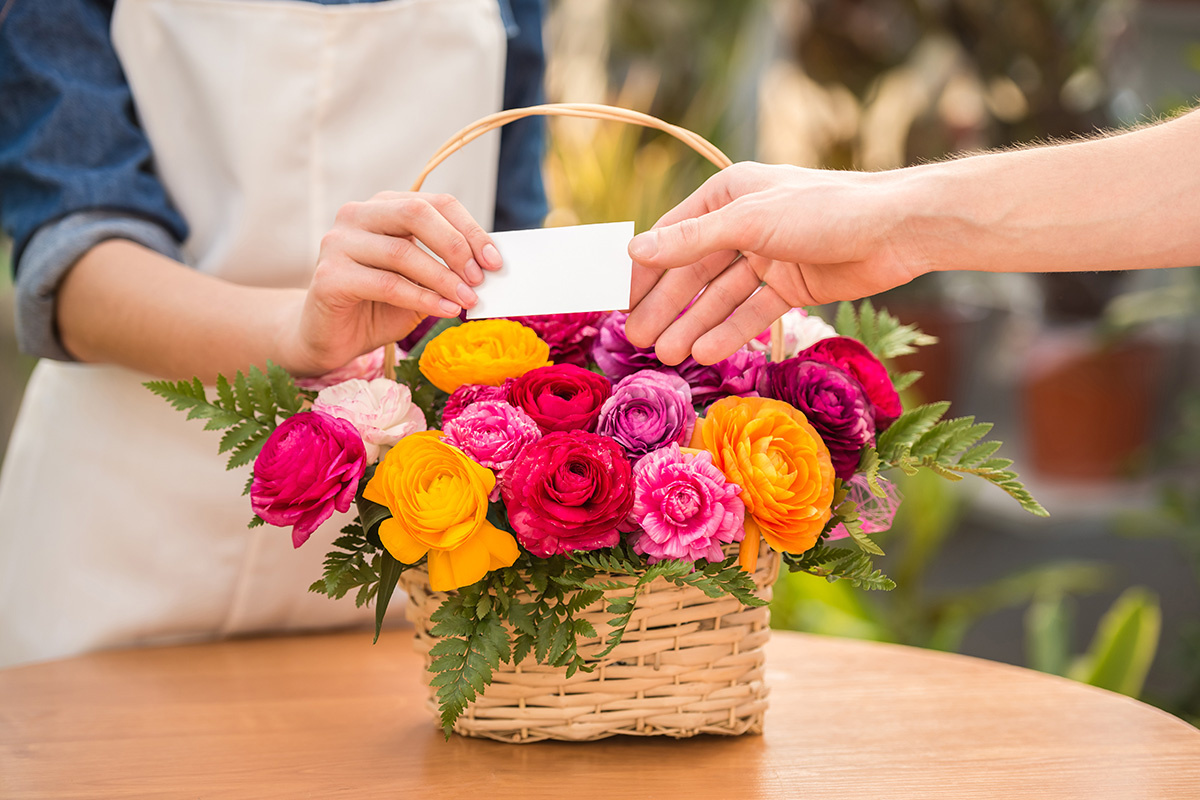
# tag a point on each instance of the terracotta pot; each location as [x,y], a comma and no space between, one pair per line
[1089,409]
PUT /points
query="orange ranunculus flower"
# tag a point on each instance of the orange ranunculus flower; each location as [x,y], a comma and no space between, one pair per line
[769,449]
[438,498]
[485,351]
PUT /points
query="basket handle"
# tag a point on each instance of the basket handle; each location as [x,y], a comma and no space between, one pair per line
[588,111]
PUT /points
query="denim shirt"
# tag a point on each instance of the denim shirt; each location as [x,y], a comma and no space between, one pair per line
[75,168]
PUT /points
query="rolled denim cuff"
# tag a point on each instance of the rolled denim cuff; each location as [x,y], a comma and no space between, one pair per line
[51,253]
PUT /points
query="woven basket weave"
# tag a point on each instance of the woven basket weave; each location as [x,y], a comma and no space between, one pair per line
[687,664]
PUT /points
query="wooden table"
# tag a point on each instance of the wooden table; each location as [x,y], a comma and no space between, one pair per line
[332,716]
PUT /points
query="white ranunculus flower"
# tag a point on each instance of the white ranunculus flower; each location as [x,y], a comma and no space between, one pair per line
[382,411]
[800,331]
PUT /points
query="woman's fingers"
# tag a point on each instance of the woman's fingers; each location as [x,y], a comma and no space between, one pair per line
[345,281]
[439,222]
[402,256]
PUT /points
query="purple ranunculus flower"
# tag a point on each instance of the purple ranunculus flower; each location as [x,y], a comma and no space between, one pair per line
[834,402]
[737,375]
[570,336]
[309,466]
[615,354]
[648,410]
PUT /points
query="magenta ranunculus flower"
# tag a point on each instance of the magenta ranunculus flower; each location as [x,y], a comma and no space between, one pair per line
[309,466]
[568,491]
[570,336]
[467,394]
[615,354]
[647,411]
[684,506]
[562,397]
[854,357]
[492,433]
[737,375]
[834,402]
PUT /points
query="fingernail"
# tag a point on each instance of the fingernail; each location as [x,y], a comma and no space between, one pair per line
[491,257]
[474,273]
[644,245]
[449,308]
[466,295]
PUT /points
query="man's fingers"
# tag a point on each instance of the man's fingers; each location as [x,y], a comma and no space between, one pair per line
[669,296]
[645,278]
[724,294]
[749,320]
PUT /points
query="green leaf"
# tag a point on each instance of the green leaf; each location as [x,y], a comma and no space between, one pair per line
[389,573]
[1126,640]
[262,394]
[1048,633]
[371,514]
[240,435]
[911,425]
[243,398]
[464,666]
[284,389]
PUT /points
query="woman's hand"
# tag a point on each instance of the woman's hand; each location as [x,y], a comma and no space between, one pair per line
[374,283]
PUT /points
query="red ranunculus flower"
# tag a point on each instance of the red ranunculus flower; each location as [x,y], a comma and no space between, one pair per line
[854,357]
[568,491]
[562,397]
[309,466]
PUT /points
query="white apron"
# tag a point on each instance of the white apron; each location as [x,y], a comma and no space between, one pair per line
[118,523]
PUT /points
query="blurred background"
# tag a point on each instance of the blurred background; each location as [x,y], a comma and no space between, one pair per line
[1093,380]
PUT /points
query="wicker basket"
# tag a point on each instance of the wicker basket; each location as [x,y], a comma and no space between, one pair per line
[688,663]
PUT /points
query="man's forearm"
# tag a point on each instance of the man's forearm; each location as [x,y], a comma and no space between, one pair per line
[1123,202]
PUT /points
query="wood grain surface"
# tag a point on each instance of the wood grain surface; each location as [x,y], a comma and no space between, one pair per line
[334,716]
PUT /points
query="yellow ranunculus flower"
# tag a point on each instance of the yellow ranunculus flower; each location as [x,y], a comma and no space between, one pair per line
[485,351]
[769,449]
[438,498]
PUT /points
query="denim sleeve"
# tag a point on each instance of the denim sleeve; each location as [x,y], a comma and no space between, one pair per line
[69,143]
[520,192]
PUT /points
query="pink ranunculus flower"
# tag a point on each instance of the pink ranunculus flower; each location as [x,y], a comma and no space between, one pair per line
[367,367]
[685,507]
[648,410]
[467,394]
[382,411]
[800,330]
[309,466]
[492,433]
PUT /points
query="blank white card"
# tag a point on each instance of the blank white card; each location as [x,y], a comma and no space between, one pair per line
[558,271]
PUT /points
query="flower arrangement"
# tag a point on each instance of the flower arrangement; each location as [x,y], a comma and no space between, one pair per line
[537,466]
